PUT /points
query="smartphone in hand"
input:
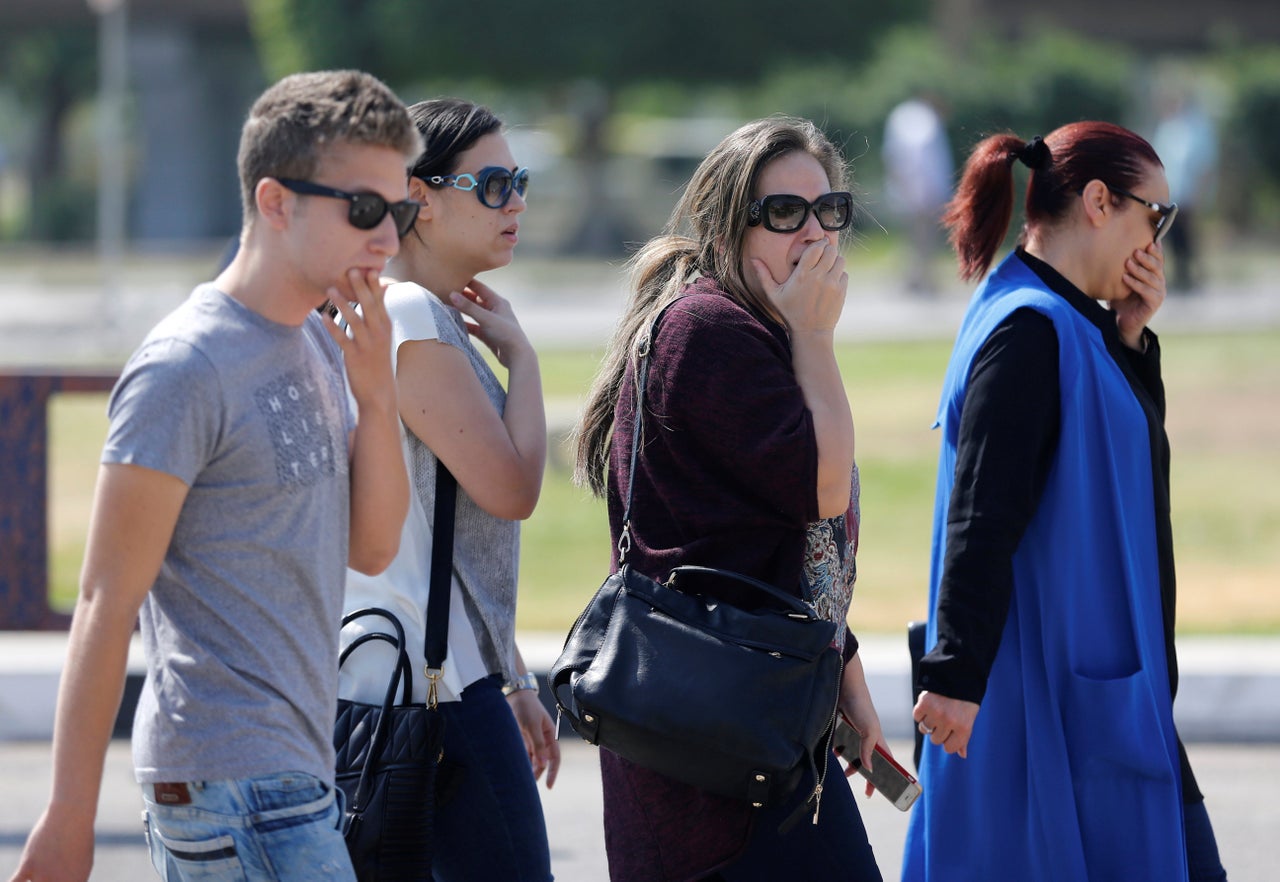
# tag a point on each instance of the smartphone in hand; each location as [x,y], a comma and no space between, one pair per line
[897,784]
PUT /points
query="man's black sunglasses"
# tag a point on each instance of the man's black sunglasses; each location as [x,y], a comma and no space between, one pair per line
[785,213]
[366,210]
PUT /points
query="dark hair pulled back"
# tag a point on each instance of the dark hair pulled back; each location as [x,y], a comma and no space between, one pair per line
[449,127]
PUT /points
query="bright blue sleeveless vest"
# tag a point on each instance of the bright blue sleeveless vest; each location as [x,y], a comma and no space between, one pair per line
[1072,771]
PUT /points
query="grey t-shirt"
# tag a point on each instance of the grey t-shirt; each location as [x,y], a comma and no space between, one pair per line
[240,628]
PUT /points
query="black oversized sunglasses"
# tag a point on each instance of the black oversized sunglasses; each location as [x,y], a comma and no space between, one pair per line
[366,210]
[785,213]
[1165,213]
[493,184]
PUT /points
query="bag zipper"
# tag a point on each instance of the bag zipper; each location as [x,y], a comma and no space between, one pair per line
[816,798]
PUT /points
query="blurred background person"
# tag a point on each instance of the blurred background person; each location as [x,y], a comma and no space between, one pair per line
[917,184]
[1186,139]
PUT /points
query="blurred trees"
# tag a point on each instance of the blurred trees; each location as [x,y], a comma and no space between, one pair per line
[600,75]
[404,41]
[986,85]
[48,72]
[1034,85]
[582,51]
[1251,137]
[843,64]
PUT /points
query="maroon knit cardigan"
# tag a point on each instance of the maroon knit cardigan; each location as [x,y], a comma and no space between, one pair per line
[726,477]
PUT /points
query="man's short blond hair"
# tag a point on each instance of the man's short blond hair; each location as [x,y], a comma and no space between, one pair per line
[292,124]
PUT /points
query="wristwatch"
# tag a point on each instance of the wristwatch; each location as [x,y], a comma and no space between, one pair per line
[524,681]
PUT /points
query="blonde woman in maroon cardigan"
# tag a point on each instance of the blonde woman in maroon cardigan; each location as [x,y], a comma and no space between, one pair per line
[747,464]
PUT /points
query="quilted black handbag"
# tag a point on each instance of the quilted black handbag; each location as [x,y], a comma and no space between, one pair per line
[388,753]
[713,678]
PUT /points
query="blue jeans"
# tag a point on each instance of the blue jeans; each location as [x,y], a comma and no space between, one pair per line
[1202,846]
[273,828]
[834,848]
[489,822]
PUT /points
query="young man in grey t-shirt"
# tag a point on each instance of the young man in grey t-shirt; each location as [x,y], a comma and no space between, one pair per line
[236,487]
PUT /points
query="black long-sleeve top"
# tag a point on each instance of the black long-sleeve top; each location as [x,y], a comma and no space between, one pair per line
[1008,436]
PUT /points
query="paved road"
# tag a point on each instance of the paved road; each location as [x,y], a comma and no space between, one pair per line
[1241,782]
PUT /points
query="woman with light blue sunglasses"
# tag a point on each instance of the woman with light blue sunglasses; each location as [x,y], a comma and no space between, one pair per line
[454,410]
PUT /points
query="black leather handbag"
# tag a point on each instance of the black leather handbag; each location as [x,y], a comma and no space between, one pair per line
[388,754]
[713,678]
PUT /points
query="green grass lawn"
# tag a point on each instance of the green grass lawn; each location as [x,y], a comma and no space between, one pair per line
[1223,424]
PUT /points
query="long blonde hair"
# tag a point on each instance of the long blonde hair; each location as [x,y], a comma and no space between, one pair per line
[703,237]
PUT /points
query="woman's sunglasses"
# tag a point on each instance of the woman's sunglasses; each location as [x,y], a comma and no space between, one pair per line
[366,210]
[1165,214]
[784,213]
[493,184]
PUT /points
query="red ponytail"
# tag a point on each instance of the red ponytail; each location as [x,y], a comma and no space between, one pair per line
[1062,164]
[978,215]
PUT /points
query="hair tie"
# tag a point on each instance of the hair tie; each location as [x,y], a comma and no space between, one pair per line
[1034,154]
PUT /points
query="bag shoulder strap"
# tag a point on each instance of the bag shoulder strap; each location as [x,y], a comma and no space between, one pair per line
[643,348]
[441,586]
[644,345]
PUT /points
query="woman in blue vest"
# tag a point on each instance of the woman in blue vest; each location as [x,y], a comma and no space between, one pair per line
[1047,696]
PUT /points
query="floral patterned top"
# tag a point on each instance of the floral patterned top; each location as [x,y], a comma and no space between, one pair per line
[830,563]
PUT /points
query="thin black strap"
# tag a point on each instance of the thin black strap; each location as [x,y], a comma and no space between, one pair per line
[441,586]
[641,378]
[643,346]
